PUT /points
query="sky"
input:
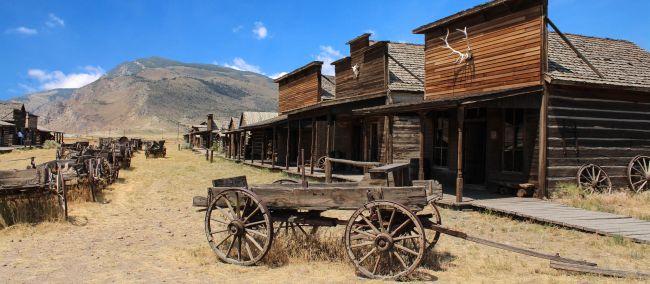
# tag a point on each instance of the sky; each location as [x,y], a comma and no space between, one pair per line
[59,44]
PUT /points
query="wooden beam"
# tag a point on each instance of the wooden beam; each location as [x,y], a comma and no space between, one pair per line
[314,132]
[598,271]
[543,140]
[422,117]
[299,148]
[459,150]
[274,146]
[263,154]
[568,42]
[328,144]
[286,160]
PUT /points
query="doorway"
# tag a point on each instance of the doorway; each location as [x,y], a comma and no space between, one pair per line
[475,140]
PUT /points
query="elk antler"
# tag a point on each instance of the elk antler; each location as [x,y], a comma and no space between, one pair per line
[461,56]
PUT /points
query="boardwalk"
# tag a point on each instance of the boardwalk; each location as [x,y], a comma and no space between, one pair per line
[607,224]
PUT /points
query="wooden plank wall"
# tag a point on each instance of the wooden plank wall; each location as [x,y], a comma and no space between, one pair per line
[257,142]
[606,128]
[371,80]
[506,54]
[300,90]
[406,141]
[7,133]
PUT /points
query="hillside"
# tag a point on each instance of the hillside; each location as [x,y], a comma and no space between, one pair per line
[150,94]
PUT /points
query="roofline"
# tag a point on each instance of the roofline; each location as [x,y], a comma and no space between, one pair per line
[446,20]
[338,101]
[298,70]
[359,37]
[579,83]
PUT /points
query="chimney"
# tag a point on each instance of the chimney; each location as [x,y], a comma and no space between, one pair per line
[210,121]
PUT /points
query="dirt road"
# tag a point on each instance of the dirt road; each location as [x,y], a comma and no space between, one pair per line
[147,231]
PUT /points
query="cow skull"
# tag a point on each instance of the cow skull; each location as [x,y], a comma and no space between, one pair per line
[462,56]
[355,70]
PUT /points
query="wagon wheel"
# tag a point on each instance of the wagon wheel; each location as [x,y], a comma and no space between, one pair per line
[57,184]
[638,173]
[384,240]
[592,178]
[285,181]
[238,227]
[436,220]
[320,163]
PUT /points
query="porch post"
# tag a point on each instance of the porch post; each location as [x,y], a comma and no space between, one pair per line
[286,158]
[274,143]
[364,133]
[314,131]
[543,136]
[263,154]
[241,146]
[252,147]
[459,168]
[422,116]
[299,149]
[328,144]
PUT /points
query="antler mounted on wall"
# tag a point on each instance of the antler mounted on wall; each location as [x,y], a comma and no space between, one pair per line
[462,56]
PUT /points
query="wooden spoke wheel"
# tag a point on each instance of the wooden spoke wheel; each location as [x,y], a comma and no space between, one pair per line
[238,227]
[436,219]
[57,185]
[285,181]
[320,163]
[385,240]
[638,173]
[592,178]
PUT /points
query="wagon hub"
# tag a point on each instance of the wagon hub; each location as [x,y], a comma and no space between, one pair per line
[383,242]
[236,228]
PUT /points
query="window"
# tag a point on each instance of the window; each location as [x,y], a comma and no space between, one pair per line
[441,141]
[513,140]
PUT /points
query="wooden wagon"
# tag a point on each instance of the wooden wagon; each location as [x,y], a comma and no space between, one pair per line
[44,180]
[385,237]
[155,149]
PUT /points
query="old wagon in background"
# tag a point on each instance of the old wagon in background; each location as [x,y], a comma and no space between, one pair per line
[155,149]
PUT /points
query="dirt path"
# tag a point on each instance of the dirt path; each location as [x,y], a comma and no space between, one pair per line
[148,232]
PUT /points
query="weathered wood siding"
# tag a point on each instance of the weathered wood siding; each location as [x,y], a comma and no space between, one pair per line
[506,50]
[299,91]
[257,143]
[406,141]
[6,136]
[372,75]
[591,126]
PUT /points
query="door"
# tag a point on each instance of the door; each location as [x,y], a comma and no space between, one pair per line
[475,140]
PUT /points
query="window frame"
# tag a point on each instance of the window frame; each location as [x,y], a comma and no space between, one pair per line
[522,132]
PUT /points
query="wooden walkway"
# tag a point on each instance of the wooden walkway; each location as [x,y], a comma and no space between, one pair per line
[602,223]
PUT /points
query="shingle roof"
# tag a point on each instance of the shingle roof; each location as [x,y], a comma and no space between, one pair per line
[268,122]
[406,67]
[621,62]
[251,117]
[328,84]
[7,109]
[4,123]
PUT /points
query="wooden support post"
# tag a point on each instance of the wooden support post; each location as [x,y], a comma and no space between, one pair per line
[314,132]
[302,166]
[274,146]
[263,154]
[211,156]
[328,144]
[252,147]
[328,170]
[365,154]
[207,154]
[459,167]
[299,148]
[241,146]
[421,159]
[286,160]
[543,136]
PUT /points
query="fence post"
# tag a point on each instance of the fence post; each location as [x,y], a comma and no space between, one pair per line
[328,170]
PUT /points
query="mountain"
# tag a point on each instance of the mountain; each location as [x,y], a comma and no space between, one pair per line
[150,94]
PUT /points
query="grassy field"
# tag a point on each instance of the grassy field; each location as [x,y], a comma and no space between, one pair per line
[620,202]
[147,231]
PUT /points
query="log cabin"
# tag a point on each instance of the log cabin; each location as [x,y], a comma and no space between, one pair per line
[509,103]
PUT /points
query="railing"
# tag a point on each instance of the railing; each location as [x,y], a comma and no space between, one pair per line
[329,161]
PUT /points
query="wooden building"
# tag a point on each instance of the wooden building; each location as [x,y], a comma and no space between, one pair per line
[7,132]
[203,134]
[509,103]
[316,110]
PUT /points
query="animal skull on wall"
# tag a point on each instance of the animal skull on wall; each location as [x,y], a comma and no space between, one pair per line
[462,56]
[355,70]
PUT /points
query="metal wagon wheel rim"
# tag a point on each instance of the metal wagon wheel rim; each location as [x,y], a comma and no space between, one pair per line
[592,178]
[437,220]
[638,173]
[321,162]
[384,240]
[58,186]
[238,227]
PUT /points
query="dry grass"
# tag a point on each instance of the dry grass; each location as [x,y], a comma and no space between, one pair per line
[148,232]
[28,209]
[623,203]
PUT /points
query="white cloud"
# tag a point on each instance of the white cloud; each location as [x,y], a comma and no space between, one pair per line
[237,29]
[54,21]
[57,79]
[22,31]
[328,54]
[260,30]
[372,32]
[240,64]
[278,75]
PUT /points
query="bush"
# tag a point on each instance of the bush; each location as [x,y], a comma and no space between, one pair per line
[50,144]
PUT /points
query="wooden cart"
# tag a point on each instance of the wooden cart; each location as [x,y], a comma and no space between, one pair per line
[155,149]
[45,179]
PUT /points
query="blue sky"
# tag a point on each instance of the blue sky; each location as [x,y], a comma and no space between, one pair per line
[49,44]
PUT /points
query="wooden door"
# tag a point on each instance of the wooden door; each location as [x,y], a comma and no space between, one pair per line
[475,140]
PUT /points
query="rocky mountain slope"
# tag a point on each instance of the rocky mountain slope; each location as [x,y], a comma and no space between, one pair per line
[151,94]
